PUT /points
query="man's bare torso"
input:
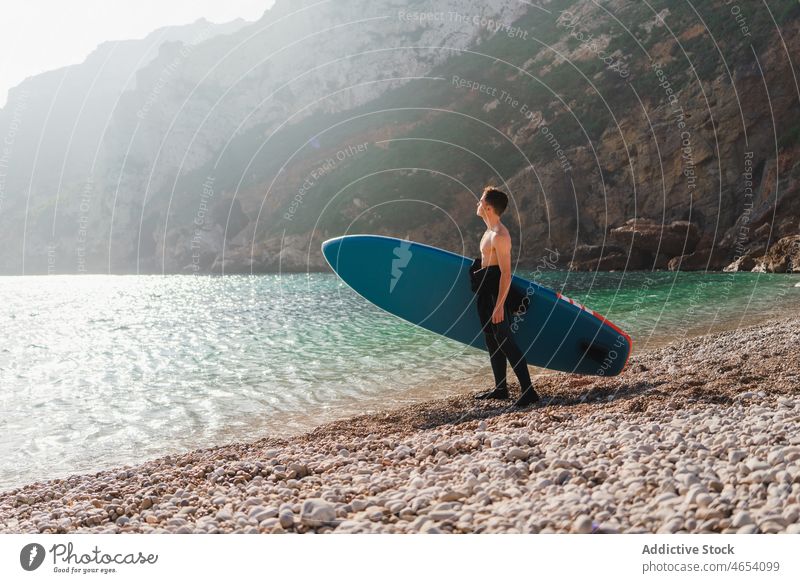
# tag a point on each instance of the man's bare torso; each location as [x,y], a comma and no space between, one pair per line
[488,253]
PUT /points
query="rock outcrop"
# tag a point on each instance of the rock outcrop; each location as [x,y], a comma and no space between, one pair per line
[782,257]
[641,243]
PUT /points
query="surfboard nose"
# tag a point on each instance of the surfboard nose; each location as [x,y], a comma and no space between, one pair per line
[330,249]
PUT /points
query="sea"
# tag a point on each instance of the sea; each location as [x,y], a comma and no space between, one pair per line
[100,371]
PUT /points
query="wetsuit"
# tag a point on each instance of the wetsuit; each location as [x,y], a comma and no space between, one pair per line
[499,338]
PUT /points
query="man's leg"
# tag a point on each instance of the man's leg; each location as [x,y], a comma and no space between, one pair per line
[498,360]
[505,339]
[496,355]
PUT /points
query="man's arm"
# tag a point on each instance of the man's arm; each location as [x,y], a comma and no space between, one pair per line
[502,246]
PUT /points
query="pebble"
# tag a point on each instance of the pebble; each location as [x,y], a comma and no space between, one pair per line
[703,500]
[516,453]
[582,524]
[286,519]
[771,527]
[735,456]
[316,512]
[741,519]
[562,477]
[453,495]
[259,513]
[224,514]
[374,513]
[672,526]
[756,464]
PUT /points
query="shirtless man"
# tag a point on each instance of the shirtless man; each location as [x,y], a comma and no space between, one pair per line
[493,282]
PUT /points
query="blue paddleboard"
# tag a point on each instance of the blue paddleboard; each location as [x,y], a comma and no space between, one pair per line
[430,287]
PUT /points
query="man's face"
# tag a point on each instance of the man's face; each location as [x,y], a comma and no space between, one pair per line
[483,208]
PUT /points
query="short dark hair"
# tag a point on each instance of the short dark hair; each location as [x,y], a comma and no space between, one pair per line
[495,198]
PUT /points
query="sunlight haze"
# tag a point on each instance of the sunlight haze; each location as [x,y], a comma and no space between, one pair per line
[41,35]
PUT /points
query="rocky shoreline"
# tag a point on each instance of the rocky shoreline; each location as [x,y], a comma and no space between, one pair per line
[697,436]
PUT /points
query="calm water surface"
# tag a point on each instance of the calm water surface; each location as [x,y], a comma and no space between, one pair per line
[99,371]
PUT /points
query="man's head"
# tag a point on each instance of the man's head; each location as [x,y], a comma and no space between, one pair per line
[492,201]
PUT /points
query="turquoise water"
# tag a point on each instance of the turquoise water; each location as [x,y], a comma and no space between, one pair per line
[661,307]
[98,371]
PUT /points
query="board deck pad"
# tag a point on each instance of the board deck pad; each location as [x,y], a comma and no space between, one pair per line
[430,287]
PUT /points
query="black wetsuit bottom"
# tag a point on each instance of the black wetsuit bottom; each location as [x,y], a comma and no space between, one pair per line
[499,338]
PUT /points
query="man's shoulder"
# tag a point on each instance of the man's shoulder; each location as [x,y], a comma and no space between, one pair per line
[501,236]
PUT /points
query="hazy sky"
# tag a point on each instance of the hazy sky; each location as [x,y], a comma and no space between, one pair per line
[40,35]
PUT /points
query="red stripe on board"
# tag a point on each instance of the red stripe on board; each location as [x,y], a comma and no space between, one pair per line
[605,321]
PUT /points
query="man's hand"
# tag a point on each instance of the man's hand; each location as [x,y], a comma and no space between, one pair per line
[497,314]
[502,246]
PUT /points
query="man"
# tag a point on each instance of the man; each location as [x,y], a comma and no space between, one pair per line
[491,280]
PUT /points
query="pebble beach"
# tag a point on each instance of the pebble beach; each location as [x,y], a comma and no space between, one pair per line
[699,436]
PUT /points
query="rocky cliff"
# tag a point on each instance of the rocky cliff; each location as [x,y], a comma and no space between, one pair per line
[630,136]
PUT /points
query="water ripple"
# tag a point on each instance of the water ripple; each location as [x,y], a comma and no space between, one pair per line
[97,371]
